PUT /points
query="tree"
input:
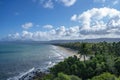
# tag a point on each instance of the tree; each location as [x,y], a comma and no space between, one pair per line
[48,77]
[73,77]
[62,76]
[117,65]
[83,51]
[105,76]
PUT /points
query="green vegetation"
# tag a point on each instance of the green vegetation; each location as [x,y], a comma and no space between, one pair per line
[105,76]
[60,76]
[104,63]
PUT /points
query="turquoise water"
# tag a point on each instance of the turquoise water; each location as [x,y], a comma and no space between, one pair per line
[16,58]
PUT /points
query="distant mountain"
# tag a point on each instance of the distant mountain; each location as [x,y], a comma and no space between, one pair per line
[66,41]
[87,40]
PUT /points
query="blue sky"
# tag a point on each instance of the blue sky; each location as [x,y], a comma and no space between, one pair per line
[59,19]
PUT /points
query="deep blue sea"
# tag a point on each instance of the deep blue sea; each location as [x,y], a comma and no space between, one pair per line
[17,58]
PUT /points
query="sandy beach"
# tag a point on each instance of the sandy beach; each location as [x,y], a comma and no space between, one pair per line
[67,51]
[71,52]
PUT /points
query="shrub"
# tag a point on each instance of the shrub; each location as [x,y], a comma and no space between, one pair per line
[105,76]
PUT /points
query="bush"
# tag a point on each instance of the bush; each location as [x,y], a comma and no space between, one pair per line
[105,76]
[48,77]
[73,77]
[62,76]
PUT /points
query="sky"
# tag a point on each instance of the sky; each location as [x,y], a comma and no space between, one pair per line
[43,20]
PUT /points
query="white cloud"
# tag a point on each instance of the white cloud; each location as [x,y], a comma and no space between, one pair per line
[74,17]
[48,26]
[26,35]
[115,2]
[15,36]
[97,18]
[53,34]
[27,25]
[48,4]
[94,23]
[51,3]
[68,3]
[108,3]
[45,3]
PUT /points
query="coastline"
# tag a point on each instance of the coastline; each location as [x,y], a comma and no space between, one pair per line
[72,52]
[30,74]
[67,51]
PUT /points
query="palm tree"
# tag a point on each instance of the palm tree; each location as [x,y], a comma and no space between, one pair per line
[83,51]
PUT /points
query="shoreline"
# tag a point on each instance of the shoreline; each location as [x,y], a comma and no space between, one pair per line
[67,51]
[72,52]
[31,73]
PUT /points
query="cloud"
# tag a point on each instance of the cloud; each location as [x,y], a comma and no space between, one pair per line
[15,36]
[27,25]
[48,4]
[48,26]
[74,17]
[53,34]
[115,2]
[97,19]
[94,23]
[68,3]
[51,3]
[45,3]
[108,3]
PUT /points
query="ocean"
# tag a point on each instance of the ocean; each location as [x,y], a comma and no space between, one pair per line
[17,58]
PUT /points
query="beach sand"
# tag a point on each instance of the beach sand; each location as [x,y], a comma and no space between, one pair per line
[67,51]
[71,52]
